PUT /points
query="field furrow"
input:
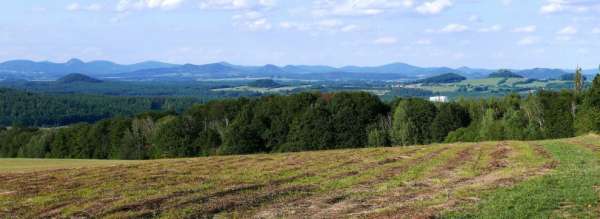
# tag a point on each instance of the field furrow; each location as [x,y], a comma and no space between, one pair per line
[446,180]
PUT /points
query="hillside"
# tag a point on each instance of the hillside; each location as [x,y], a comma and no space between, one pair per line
[264,83]
[570,77]
[479,180]
[504,74]
[27,69]
[75,78]
[443,79]
[541,73]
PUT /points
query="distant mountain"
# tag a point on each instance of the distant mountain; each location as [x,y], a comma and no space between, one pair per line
[264,83]
[591,71]
[30,70]
[26,69]
[224,70]
[443,78]
[569,77]
[76,77]
[474,72]
[307,69]
[504,74]
[399,68]
[541,73]
[349,76]
[187,71]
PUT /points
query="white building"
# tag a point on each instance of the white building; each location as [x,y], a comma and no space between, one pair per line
[441,99]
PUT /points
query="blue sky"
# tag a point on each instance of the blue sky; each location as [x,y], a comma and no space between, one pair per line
[475,33]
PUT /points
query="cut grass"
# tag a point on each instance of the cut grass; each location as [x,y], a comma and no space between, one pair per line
[571,191]
[511,178]
[23,165]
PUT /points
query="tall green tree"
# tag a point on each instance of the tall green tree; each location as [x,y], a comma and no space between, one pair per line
[243,136]
[491,128]
[450,117]
[313,130]
[588,119]
[412,122]
[352,114]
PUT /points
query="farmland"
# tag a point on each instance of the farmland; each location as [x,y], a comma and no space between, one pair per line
[486,179]
[12,165]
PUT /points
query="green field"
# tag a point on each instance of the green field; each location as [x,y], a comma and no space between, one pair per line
[260,89]
[24,165]
[508,179]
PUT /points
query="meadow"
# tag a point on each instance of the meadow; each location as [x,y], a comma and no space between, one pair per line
[504,179]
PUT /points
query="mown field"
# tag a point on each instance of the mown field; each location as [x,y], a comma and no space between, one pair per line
[15,165]
[509,179]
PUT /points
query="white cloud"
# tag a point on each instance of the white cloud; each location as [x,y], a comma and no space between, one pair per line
[330,23]
[474,18]
[506,2]
[236,4]
[553,6]
[252,20]
[568,30]
[349,28]
[454,28]
[77,7]
[494,28]
[327,25]
[358,7]
[94,7]
[596,30]
[423,42]
[73,7]
[433,7]
[259,24]
[573,6]
[386,40]
[294,26]
[528,40]
[126,5]
[525,29]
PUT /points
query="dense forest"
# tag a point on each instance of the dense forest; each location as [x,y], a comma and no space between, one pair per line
[75,84]
[34,109]
[443,78]
[313,121]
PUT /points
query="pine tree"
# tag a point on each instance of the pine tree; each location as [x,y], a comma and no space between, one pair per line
[578,80]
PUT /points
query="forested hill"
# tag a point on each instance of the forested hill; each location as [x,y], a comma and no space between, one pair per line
[504,74]
[443,78]
[311,121]
[34,109]
[77,78]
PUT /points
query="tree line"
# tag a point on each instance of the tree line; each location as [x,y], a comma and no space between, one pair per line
[313,121]
[34,109]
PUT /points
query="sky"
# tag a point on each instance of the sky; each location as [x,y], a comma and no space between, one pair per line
[453,33]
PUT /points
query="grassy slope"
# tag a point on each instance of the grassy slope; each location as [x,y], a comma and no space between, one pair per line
[490,179]
[25,165]
[571,191]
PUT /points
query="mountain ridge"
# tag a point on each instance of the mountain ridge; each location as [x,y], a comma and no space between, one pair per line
[155,70]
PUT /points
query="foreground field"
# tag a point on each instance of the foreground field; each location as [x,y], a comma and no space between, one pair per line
[25,165]
[558,178]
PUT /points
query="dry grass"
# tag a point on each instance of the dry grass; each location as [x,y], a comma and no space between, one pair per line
[420,181]
[26,165]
